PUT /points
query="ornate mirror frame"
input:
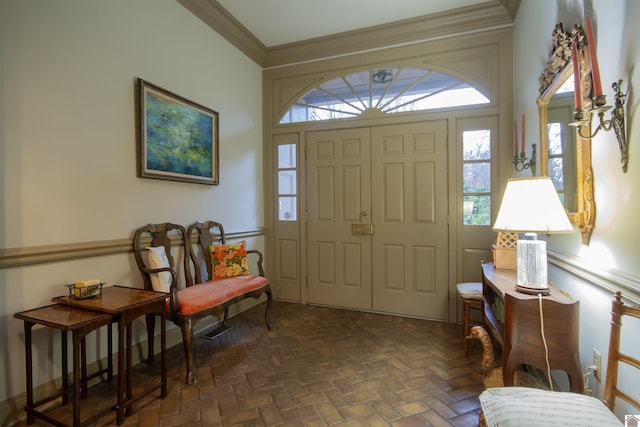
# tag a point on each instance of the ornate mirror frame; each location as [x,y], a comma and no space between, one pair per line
[558,69]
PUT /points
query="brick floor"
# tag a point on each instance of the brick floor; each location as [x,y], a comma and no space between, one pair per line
[318,367]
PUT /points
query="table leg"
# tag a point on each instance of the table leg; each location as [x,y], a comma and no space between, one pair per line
[163,353]
[83,363]
[76,377]
[509,369]
[129,373]
[121,373]
[29,370]
[110,352]
[65,364]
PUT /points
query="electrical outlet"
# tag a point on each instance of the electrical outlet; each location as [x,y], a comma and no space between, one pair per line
[597,362]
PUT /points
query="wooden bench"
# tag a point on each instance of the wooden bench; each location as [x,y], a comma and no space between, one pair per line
[163,251]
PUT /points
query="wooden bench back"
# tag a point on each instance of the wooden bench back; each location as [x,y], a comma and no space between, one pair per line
[210,233]
[173,238]
[207,233]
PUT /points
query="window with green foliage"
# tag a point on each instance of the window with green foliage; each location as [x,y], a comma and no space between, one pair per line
[476,177]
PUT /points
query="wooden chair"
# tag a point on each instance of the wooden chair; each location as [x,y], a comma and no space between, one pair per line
[190,301]
[471,295]
[510,406]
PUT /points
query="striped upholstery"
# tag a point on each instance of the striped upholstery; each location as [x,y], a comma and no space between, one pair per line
[530,407]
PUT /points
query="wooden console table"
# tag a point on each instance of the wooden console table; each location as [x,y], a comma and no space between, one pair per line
[514,320]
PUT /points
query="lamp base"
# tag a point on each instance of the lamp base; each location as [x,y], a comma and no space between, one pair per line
[533,291]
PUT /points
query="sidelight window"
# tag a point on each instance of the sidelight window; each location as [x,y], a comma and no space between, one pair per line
[476,179]
[287,183]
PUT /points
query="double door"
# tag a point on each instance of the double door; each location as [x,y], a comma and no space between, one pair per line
[377,227]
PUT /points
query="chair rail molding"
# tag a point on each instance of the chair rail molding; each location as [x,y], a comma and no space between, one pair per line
[32,255]
[610,279]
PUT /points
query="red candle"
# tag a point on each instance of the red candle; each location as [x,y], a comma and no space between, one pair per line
[522,133]
[593,57]
[515,138]
[576,77]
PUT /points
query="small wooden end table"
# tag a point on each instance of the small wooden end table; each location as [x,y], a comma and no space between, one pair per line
[80,323]
[126,304]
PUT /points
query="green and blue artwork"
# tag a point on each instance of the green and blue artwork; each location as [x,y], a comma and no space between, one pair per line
[179,138]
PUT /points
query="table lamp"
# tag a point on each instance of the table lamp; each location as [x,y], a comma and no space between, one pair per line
[531,206]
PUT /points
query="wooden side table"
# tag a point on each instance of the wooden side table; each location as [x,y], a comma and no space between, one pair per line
[64,318]
[514,319]
[126,304]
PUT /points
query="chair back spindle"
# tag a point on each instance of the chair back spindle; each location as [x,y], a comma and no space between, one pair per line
[611,390]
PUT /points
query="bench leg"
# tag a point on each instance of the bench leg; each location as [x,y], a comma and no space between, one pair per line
[226,316]
[267,311]
[187,343]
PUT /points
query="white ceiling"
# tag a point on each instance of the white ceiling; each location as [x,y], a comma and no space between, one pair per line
[278,22]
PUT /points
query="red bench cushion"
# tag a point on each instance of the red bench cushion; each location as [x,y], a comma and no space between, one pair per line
[215,292]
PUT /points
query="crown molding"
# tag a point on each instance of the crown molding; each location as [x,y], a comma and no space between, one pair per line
[487,16]
[511,6]
[222,22]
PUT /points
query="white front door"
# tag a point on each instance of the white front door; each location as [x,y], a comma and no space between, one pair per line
[339,195]
[377,219]
[410,199]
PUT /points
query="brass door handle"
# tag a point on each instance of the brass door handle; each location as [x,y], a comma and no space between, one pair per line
[363,229]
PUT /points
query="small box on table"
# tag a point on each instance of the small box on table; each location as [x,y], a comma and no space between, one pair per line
[85,288]
[504,251]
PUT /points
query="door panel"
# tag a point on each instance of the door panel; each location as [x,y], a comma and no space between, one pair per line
[410,198]
[339,195]
[394,178]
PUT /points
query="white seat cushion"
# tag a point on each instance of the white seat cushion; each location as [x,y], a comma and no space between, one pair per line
[530,407]
[470,290]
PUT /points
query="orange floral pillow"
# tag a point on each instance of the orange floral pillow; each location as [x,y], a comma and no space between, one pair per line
[229,260]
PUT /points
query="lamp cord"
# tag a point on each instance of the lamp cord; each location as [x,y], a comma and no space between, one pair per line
[544,341]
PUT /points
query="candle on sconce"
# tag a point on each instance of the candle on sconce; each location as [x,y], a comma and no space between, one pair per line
[593,57]
[577,96]
[522,151]
[515,138]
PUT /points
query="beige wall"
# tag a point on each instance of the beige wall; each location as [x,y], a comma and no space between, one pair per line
[67,145]
[611,259]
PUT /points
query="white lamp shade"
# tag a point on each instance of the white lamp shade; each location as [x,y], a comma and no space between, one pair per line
[532,205]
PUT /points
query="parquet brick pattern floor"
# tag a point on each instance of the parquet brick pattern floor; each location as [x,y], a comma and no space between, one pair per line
[318,367]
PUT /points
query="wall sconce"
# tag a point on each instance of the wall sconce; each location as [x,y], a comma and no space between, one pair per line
[520,161]
[599,101]
[616,122]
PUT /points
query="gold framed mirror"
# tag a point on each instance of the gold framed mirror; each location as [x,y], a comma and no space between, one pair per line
[564,155]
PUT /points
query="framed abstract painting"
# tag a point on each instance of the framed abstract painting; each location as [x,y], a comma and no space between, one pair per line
[177,138]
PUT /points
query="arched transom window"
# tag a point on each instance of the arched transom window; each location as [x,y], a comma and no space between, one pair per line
[379,91]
